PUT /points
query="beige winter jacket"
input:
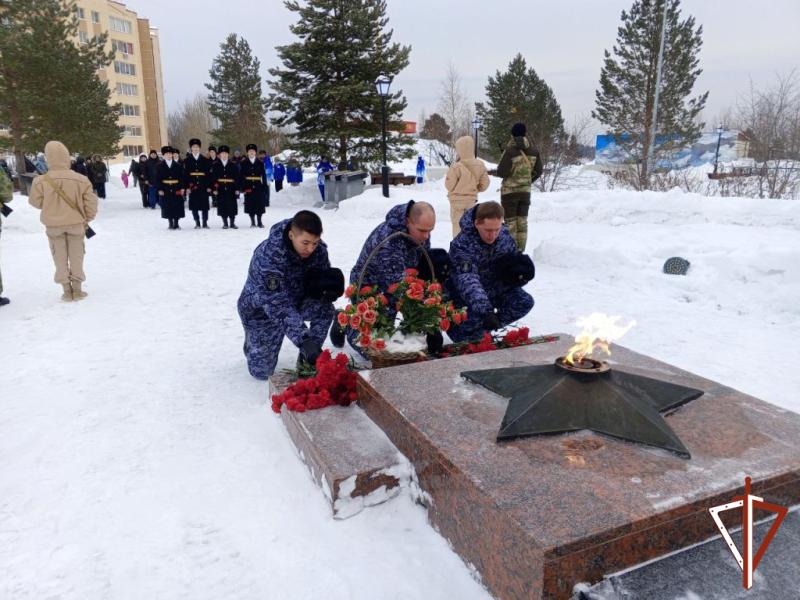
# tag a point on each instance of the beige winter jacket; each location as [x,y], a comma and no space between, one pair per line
[467,176]
[55,211]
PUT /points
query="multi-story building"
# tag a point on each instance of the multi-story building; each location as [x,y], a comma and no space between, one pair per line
[134,76]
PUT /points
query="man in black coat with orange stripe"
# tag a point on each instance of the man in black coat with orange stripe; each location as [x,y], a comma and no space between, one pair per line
[197,170]
[170,188]
[253,183]
[225,183]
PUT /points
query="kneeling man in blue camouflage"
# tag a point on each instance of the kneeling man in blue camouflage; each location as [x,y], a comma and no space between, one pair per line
[290,282]
[488,273]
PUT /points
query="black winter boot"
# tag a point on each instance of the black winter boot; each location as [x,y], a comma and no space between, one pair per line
[336,333]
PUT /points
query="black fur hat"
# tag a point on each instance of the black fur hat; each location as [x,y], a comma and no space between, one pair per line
[441,265]
[224,148]
[518,129]
[251,147]
[514,269]
[194,142]
[324,284]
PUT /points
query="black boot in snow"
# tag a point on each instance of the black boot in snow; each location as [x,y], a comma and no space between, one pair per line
[336,333]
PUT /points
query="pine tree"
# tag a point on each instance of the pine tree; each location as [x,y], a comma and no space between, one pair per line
[625,100]
[326,88]
[235,97]
[519,95]
[49,86]
[436,128]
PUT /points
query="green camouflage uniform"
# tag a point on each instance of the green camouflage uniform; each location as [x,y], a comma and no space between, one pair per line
[6,195]
[519,166]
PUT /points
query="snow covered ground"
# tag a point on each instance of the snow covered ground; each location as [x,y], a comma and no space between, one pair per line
[140,460]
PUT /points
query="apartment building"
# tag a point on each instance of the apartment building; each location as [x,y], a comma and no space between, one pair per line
[134,76]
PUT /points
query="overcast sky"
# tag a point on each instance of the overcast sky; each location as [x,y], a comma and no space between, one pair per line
[563,40]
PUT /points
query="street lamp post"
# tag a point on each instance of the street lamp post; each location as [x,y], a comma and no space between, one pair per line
[382,83]
[476,126]
[720,130]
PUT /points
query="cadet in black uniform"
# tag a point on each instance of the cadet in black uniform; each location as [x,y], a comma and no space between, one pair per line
[212,156]
[225,183]
[253,183]
[170,188]
[198,182]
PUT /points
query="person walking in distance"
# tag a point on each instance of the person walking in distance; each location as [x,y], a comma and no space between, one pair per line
[67,203]
[520,165]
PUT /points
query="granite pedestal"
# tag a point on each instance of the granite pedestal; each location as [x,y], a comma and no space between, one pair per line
[537,515]
[349,456]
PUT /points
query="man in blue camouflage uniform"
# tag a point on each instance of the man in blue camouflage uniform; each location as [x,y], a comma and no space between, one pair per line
[289,282]
[488,273]
[417,219]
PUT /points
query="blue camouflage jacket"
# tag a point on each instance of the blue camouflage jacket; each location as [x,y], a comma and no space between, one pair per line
[387,266]
[473,281]
[279,171]
[274,286]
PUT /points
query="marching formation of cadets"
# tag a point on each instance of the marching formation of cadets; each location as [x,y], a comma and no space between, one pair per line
[212,180]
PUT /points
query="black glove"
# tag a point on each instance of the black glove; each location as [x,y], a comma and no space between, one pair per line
[324,284]
[514,269]
[441,265]
[337,333]
[491,322]
[435,342]
[310,351]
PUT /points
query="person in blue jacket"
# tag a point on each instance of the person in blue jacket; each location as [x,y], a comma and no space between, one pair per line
[323,167]
[417,219]
[290,281]
[280,174]
[420,169]
[294,171]
[267,163]
[488,274]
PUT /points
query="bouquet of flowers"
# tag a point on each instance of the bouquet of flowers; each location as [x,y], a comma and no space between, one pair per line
[333,383]
[418,303]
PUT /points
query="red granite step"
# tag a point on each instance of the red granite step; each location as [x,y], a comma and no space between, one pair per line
[348,456]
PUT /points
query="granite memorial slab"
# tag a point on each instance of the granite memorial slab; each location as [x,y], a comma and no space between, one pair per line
[536,515]
[347,454]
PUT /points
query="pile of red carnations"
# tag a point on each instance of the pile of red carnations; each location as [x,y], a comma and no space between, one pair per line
[333,384]
[510,339]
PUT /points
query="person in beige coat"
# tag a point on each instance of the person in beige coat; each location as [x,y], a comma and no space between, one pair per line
[68,203]
[465,179]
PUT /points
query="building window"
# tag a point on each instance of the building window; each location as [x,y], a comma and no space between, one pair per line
[132,151]
[130,110]
[95,16]
[133,130]
[84,37]
[124,68]
[79,12]
[120,25]
[120,46]
[127,89]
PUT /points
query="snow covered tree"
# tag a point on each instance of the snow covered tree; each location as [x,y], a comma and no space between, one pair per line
[519,95]
[326,88]
[626,98]
[49,84]
[235,98]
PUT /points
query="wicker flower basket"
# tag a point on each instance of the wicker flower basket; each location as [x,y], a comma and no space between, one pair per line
[384,358]
[381,359]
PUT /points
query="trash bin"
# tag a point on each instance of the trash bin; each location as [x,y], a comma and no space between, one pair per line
[26,181]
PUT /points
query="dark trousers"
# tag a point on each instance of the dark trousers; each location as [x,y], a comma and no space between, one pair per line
[196,215]
[278,185]
[145,199]
[101,189]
